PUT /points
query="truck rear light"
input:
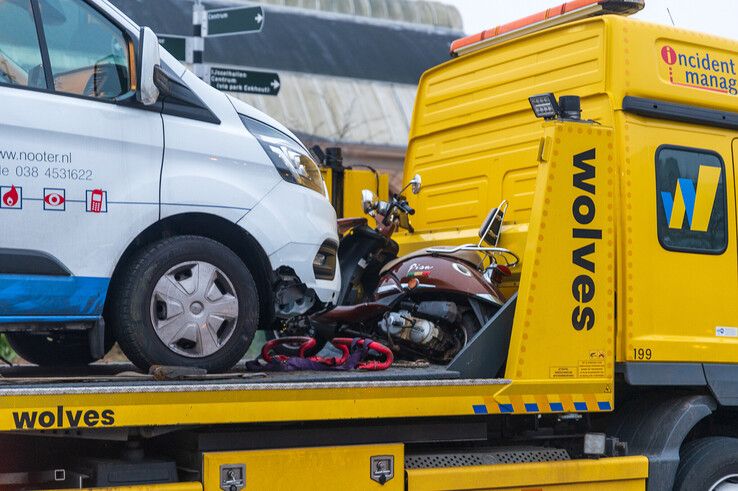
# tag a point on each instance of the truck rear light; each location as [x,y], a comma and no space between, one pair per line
[561,14]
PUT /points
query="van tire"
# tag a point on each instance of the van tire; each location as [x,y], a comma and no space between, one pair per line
[133,312]
[704,462]
[64,349]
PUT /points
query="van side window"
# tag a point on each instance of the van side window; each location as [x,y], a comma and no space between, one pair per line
[88,54]
[691,200]
[20,55]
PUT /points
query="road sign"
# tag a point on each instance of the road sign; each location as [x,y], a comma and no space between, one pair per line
[238,20]
[245,81]
[176,45]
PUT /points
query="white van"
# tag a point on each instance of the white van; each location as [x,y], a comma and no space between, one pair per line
[140,205]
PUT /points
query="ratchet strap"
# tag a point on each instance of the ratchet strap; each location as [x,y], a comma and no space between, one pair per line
[356,354]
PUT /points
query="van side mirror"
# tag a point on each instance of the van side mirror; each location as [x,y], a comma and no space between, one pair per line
[147,61]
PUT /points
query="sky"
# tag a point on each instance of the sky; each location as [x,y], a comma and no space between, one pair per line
[717,17]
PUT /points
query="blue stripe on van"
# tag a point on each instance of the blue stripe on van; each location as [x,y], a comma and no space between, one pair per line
[51,298]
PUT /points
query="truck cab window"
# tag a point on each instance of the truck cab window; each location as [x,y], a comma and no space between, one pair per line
[88,54]
[691,206]
[20,55]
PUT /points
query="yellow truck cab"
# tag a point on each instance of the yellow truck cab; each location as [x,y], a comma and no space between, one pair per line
[612,366]
[669,98]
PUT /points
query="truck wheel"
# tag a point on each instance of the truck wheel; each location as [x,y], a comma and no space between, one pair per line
[186,301]
[710,464]
[53,350]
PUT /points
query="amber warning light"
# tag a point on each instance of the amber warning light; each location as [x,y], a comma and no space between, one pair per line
[561,14]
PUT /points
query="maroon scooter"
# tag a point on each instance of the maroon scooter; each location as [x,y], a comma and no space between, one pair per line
[429,304]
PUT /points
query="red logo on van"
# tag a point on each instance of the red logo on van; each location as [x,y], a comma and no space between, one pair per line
[10,198]
[96,201]
[54,199]
[668,54]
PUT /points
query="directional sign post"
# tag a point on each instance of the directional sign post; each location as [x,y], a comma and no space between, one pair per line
[238,20]
[227,22]
[244,81]
[176,45]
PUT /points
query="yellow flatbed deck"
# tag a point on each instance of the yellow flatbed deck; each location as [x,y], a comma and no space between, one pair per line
[107,396]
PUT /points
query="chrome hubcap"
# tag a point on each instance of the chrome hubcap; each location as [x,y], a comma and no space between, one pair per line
[727,483]
[194,309]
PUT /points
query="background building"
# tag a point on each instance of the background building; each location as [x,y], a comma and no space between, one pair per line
[348,68]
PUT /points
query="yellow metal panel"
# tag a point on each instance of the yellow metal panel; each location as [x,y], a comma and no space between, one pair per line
[174,405]
[328,178]
[242,403]
[180,486]
[696,292]
[356,180]
[612,474]
[564,324]
[662,62]
[474,138]
[476,87]
[346,467]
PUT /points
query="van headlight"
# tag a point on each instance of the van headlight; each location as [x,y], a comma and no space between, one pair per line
[292,161]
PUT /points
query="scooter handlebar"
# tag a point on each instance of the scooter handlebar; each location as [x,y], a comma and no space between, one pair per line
[406,207]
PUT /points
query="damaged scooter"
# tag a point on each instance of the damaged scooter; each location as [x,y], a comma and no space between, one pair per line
[426,305]
[429,304]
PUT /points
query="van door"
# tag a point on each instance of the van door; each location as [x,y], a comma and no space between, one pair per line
[679,263]
[79,167]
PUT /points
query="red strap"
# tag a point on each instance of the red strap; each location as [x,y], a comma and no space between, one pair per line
[346,345]
[306,343]
[370,345]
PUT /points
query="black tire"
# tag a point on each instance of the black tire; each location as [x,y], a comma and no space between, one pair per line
[62,349]
[131,317]
[705,462]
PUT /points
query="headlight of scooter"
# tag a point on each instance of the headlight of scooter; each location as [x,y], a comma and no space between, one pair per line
[292,161]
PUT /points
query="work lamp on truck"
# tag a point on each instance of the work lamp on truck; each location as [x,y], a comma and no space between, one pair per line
[545,106]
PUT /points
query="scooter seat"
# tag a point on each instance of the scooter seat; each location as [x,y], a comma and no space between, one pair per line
[471,257]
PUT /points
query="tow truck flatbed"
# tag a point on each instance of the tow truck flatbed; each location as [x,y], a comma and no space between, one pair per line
[126,374]
[31,398]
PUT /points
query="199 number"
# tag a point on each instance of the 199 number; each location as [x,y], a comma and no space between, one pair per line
[642,354]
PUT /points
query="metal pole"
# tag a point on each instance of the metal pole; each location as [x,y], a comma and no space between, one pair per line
[198,42]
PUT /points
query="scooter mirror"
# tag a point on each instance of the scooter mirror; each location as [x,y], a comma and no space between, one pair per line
[367,201]
[416,184]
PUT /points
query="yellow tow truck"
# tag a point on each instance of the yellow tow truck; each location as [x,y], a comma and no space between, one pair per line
[613,366]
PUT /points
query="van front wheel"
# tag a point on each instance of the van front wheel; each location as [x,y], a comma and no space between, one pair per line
[186,301]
